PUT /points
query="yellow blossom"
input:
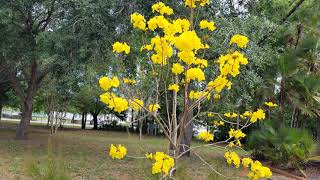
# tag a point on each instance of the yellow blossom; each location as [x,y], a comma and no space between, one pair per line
[188,41]
[149,156]
[119,47]
[117,152]
[107,83]
[240,40]
[205,24]
[177,68]
[161,8]
[138,21]
[257,115]
[195,74]
[211,114]
[270,104]
[129,81]
[259,171]
[230,115]
[246,162]
[153,107]
[205,136]
[218,123]
[219,83]
[163,163]
[232,158]
[136,104]
[174,87]
[202,63]
[198,95]
[118,104]
[237,134]
[187,56]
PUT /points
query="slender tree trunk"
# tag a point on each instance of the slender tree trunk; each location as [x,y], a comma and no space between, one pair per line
[84,120]
[318,130]
[282,103]
[140,124]
[48,114]
[0,112]
[95,121]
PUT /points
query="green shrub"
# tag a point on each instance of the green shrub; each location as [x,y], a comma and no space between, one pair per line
[283,146]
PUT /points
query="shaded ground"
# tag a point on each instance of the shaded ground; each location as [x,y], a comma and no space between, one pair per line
[84,153]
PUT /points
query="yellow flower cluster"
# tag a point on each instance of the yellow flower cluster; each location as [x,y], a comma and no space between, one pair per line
[107,83]
[230,63]
[174,87]
[163,163]
[232,158]
[259,171]
[230,115]
[199,94]
[271,104]
[177,68]
[246,114]
[211,114]
[257,115]
[205,136]
[205,24]
[118,104]
[161,8]
[119,47]
[195,74]
[201,63]
[138,21]
[129,81]
[153,107]
[237,135]
[189,41]
[240,40]
[218,123]
[192,3]
[219,83]
[163,50]
[136,104]
[117,152]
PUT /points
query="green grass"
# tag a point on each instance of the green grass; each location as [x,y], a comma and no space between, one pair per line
[84,154]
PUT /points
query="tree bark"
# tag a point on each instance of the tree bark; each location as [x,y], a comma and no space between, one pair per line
[26,116]
[186,140]
[318,131]
[84,120]
[282,103]
[0,112]
[95,121]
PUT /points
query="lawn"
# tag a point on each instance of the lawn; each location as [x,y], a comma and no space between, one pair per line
[84,154]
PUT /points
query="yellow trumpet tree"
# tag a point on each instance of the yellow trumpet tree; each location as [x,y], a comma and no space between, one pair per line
[175,54]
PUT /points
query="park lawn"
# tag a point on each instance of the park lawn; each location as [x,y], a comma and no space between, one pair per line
[84,154]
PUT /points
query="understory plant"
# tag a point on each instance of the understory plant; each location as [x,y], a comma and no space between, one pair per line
[287,147]
[174,65]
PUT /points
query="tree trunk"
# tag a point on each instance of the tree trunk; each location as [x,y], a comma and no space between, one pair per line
[26,116]
[0,112]
[48,114]
[282,103]
[83,120]
[318,131]
[95,121]
[186,140]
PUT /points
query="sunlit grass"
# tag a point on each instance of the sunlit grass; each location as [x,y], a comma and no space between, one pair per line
[85,155]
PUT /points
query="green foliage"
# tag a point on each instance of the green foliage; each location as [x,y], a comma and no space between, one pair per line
[285,146]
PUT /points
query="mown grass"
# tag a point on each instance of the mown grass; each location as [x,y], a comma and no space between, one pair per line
[84,154]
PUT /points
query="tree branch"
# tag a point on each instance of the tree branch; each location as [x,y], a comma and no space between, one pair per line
[284,19]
